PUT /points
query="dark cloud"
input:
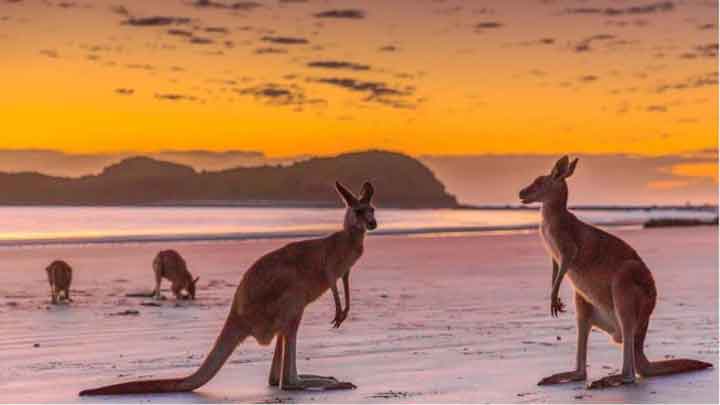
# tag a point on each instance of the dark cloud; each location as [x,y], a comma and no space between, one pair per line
[378,92]
[651,8]
[285,40]
[292,1]
[174,97]
[344,13]
[266,51]
[585,44]
[201,40]
[656,108]
[124,91]
[485,25]
[155,21]
[706,26]
[119,9]
[279,95]
[588,78]
[50,53]
[388,48]
[140,66]
[180,33]
[238,5]
[217,30]
[334,64]
[694,82]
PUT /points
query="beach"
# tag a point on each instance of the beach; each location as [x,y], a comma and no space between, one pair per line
[434,318]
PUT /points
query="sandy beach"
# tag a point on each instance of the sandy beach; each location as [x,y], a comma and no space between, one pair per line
[433,318]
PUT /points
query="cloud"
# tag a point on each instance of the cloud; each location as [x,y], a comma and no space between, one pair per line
[656,108]
[378,92]
[50,53]
[180,33]
[285,40]
[693,82]
[388,48]
[584,45]
[334,64]
[485,25]
[588,78]
[155,21]
[279,95]
[354,14]
[201,40]
[665,6]
[238,5]
[174,97]
[217,30]
[124,91]
[269,50]
[120,9]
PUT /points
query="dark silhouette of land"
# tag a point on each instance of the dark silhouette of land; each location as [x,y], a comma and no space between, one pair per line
[401,181]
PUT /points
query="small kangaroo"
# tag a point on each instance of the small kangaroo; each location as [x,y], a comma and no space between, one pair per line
[170,265]
[271,299]
[614,289]
[59,276]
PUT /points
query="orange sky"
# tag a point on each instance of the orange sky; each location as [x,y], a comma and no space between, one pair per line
[463,77]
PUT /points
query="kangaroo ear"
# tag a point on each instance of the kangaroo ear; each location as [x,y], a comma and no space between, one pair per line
[196,280]
[349,198]
[571,169]
[560,168]
[367,192]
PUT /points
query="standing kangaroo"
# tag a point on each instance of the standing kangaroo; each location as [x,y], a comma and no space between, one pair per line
[59,276]
[271,299]
[614,289]
[169,264]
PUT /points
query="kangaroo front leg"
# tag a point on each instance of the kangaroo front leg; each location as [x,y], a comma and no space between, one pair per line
[53,295]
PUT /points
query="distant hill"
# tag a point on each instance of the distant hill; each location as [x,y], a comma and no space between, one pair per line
[400,181]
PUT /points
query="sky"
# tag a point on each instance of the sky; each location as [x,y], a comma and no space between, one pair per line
[288,78]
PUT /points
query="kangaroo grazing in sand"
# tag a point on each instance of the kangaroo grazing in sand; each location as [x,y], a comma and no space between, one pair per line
[614,289]
[170,265]
[59,276]
[271,299]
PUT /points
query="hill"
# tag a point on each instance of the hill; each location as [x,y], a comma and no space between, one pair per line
[400,180]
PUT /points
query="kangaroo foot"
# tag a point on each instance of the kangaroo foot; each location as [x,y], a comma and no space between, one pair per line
[561,378]
[319,379]
[611,381]
[322,383]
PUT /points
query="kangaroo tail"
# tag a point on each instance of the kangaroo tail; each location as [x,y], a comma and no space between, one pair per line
[234,332]
[674,366]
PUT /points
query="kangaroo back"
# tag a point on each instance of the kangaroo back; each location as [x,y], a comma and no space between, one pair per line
[233,332]
[59,274]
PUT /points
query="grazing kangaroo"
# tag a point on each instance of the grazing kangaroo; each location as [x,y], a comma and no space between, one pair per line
[59,276]
[169,264]
[271,299]
[614,289]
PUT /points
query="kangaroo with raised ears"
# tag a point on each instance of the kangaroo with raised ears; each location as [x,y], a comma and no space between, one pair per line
[271,299]
[59,276]
[170,265]
[614,289]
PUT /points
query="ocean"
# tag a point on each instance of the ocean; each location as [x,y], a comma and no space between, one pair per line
[64,225]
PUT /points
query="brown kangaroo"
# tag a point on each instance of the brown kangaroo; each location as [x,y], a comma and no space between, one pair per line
[614,290]
[170,265]
[270,301]
[59,276]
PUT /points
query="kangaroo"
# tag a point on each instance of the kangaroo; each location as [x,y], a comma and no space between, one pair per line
[271,299]
[169,264]
[59,276]
[614,289]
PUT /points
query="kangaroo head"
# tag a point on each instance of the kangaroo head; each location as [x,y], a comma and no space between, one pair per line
[191,287]
[360,213]
[551,186]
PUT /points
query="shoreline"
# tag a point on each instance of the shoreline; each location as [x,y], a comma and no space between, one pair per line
[255,236]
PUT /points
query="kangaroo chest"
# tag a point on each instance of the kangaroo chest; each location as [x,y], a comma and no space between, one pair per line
[550,241]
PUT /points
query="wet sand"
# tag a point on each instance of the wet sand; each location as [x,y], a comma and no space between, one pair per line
[433,319]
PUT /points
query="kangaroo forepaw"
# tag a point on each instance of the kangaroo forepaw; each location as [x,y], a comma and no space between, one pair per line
[611,381]
[561,378]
